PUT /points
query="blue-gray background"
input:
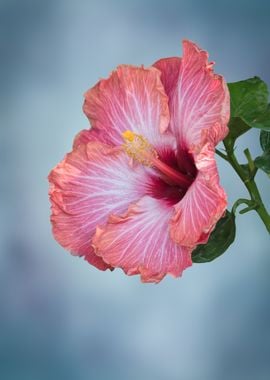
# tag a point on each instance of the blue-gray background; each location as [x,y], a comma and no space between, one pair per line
[60,318]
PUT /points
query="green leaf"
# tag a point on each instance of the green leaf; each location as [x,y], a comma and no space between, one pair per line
[249,102]
[265,141]
[262,121]
[248,98]
[237,128]
[219,241]
[263,162]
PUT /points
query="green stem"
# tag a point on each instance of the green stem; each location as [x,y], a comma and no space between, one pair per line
[249,159]
[249,183]
[219,153]
[251,205]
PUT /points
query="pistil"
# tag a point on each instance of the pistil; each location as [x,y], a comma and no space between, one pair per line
[139,149]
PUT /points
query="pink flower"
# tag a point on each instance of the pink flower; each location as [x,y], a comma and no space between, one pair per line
[140,189]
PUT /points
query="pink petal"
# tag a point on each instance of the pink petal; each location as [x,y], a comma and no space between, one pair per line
[90,135]
[170,71]
[202,206]
[132,98]
[139,242]
[198,98]
[91,182]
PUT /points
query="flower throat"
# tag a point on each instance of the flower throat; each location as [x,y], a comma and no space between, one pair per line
[139,149]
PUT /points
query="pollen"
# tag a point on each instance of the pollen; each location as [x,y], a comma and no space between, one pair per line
[128,135]
[138,148]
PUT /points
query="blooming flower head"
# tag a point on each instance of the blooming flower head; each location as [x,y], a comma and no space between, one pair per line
[140,189]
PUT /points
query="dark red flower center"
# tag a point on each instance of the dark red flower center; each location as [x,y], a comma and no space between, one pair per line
[161,186]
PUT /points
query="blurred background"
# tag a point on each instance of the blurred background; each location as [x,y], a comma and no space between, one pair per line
[60,318]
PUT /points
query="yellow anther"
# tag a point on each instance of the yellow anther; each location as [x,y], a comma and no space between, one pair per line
[138,148]
[128,135]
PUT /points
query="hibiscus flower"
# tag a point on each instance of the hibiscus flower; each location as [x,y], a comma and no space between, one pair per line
[140,189]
